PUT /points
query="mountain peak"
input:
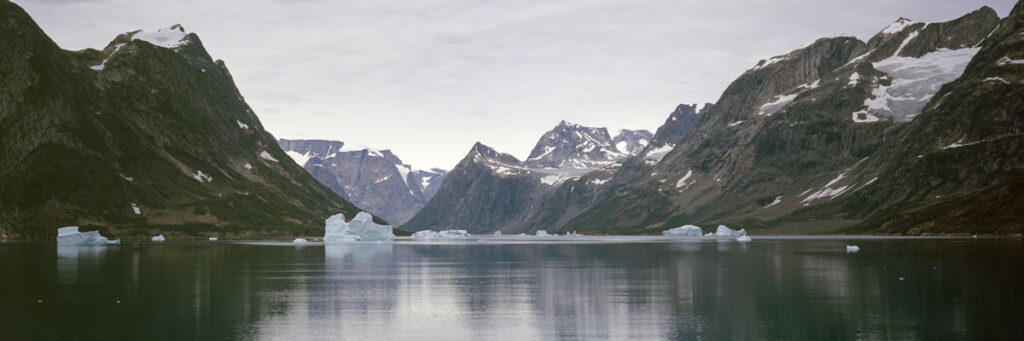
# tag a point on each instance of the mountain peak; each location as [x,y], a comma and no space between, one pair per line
[898,25]
[169,37]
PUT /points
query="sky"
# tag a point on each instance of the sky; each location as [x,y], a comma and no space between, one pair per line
[427,79]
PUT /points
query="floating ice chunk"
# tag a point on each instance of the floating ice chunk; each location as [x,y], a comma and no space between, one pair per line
[70,235]
[361,228]
[426,234]
[454,234]
[542,233]
[852,248]
[213,239]
[300,241]
[683,231]
[743,239]
[158,238]
[497,233]
[724,231]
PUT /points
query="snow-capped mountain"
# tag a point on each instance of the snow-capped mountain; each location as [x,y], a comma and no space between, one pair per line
[149,134]
[489,190]
[854,135]
[375,180]
[571,145]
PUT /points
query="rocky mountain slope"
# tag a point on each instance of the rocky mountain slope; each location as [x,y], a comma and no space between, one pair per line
[490,191]
[883,136]
[149,135]
[375,180]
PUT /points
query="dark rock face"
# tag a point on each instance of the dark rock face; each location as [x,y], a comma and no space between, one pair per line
[808,136]
[679,123]
[376,181]
[88,136]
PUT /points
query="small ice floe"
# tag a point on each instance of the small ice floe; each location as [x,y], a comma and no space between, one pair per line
[901,278]
[852,248]
[361,228]
[158,238]
[725,231]
[572,234]
[213,239]
[300,241]
[70,235]
[683,231]
[497,233]
[429,234]
[743,239]
[542,233]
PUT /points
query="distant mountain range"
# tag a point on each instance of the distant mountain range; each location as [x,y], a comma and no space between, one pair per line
[149,135]
[375,180]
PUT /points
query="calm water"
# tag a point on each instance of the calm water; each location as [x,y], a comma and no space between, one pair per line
[621,288]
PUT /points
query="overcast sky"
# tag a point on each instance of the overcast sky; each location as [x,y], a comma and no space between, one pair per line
[427,79]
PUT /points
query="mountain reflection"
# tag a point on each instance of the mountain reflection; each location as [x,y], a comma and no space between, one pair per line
[775,289]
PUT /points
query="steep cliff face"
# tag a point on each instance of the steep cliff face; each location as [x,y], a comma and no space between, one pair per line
[149,134]
[375,180]
[800,130]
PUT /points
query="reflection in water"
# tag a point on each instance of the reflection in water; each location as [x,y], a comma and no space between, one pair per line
[776,289]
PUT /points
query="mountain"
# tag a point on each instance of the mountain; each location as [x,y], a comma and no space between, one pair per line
[916,131]
[149,135]
[375,180]
[489,191]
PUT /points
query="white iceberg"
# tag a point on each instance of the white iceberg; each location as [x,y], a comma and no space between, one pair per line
[542,233]
[497,233]
[158,238]
[70,235]
[428,234]
[743,239]
[213,239]
[852,248]
[724,231]
[300,241]
[360,229]
[683,231]
[455,234]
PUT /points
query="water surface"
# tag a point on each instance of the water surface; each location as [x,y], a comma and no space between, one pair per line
[486,289]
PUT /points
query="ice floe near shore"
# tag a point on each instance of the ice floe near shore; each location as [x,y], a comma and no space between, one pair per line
[743,239]
[158,238]
[852,248]
[725,231]
[360,229]
[446,234]
[71,236]
[300,241]
[683,231]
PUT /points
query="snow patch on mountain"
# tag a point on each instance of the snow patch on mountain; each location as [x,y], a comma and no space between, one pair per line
[104,63]
[267,156]
[300,159]
[169,37]
[914,81]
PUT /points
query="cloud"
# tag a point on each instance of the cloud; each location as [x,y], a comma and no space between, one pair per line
[427,79]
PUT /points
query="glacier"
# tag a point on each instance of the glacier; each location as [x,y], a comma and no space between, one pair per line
[683,231]
[361,228]
[71,235]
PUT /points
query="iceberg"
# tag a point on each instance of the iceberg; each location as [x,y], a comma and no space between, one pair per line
[683,231]
[71,235]
[724,231]
[428,234]
[542,233]
[455,234]
[497,233]
[743,239]
[852,248]
[360,229]
[213,239]
[158,238]
[300,241]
